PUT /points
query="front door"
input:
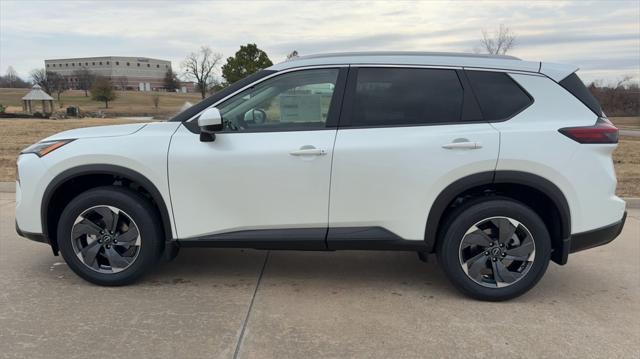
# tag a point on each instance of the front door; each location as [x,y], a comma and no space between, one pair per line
[268,170]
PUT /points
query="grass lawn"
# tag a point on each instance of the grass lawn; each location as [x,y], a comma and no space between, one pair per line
[128,103]
[626,159]
[15,135]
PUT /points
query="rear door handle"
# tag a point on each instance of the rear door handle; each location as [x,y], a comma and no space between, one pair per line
[308,151]
[462,145]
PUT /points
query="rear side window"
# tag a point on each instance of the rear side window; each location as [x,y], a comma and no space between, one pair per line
[401,96]
[573,84]
[498,95]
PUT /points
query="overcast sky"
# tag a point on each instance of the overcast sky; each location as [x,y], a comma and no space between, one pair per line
[601,37]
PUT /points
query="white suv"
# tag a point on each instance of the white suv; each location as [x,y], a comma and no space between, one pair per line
[497,165]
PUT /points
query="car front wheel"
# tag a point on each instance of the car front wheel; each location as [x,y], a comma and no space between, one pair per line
[110,236]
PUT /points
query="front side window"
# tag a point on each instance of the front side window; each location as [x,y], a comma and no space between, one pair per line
[406,96]
[298,100]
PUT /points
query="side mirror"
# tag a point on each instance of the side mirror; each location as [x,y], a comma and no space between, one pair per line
[210,121]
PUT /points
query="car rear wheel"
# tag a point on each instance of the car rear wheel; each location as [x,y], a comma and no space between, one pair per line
[110,236]
[494,249]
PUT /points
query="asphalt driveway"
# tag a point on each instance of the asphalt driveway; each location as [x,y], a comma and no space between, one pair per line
[212,303]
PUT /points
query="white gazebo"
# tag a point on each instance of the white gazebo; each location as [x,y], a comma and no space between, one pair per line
[36,94]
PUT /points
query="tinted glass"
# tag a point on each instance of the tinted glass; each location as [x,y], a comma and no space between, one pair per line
[498,95]
[200,106]
[396,96]
[573,84]
[292,101]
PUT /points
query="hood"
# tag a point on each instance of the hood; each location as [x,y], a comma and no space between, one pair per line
[98,131]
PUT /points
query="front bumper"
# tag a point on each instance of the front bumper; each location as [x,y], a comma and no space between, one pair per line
[38,237]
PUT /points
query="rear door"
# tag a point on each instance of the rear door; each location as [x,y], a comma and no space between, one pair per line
[405,134]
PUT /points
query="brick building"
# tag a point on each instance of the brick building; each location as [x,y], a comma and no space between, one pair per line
[131,73]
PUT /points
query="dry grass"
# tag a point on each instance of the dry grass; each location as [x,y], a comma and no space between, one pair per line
[15,135]
[128,103]
[626,159]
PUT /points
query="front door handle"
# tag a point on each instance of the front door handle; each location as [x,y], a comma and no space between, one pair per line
[308,151]
[462,145]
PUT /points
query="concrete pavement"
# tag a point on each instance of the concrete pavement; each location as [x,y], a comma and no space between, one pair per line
[255,304]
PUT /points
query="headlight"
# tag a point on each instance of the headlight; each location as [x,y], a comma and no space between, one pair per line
[42,148]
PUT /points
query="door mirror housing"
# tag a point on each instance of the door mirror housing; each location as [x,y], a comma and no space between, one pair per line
[210,121]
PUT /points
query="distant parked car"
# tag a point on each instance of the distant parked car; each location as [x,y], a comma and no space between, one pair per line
[495,164]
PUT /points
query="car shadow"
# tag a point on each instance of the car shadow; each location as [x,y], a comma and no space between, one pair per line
[344,268]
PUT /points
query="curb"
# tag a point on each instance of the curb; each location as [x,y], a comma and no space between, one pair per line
[10,187]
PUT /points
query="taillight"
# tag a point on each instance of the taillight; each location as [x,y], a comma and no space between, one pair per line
[602,132]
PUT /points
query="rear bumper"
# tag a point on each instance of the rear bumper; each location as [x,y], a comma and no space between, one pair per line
[596,237]
[586,240]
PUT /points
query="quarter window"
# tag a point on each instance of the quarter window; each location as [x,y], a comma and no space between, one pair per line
[498,95]
[298,100]
[405,96]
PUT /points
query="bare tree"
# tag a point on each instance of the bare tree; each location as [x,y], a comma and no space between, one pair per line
[623,81]
[39,77]
[57,84]
[200,67]
[50,82]
[85,79]
[123,83]
[499,42]
[11,77]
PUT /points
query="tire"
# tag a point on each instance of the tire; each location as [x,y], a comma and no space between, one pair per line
[115,263]
[513,264]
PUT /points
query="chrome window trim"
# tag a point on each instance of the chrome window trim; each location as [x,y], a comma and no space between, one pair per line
[368,65]
[470,68]
[412,66]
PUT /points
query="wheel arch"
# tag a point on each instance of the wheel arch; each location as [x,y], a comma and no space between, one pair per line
[76,180]
[538,192]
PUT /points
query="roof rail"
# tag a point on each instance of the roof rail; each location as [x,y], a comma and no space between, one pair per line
[406,53]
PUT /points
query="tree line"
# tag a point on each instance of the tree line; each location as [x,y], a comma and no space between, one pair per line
[618,99]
